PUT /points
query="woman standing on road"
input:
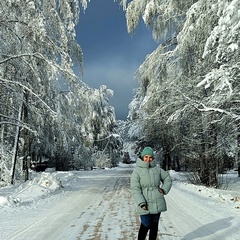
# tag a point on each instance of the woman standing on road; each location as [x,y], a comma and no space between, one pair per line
[149,184]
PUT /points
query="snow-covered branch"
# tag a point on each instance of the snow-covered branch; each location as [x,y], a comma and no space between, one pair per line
[24,87]
[211,109]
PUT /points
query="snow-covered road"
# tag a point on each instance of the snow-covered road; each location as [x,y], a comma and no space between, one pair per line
[195,216]
[97,205]
[101,208]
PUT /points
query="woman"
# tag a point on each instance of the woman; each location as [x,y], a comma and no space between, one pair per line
[149,184]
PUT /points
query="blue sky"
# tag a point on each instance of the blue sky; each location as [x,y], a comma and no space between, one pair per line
[111,55]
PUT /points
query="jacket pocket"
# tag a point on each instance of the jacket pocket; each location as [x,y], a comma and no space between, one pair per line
[141,211]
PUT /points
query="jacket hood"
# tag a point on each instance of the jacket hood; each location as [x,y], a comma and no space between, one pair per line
[142,164]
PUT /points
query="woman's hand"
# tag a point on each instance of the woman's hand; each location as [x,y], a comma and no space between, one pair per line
[144,207]
[161,190]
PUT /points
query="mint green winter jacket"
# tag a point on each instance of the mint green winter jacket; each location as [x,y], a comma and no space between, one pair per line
[146,180]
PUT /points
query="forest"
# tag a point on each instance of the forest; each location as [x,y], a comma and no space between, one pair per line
[186,105]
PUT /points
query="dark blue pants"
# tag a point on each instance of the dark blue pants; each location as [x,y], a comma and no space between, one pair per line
[149,222]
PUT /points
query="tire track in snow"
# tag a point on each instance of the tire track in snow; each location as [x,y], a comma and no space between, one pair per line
[188,220]
[61,219]
[115,216]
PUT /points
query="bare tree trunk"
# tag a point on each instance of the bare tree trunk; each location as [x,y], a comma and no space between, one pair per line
[203,171]
[15,147]
[238,144]
[25,137]
[167,160]
[1,151]
[213,157]
[1,140]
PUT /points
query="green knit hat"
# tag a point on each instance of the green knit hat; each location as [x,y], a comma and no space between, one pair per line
[147,151]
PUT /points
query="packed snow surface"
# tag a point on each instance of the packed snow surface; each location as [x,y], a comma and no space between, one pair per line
[97,205]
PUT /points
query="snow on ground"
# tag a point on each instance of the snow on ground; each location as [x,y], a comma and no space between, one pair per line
[97,205]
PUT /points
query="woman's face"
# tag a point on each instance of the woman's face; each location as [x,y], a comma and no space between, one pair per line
[147,158]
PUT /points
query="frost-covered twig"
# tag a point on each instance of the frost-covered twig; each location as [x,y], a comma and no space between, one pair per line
[30,91]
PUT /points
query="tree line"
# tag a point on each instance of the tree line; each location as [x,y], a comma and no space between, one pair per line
[187,104]
[47,114]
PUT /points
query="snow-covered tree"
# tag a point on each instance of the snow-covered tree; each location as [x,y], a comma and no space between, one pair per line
[45,109]
[189,88]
